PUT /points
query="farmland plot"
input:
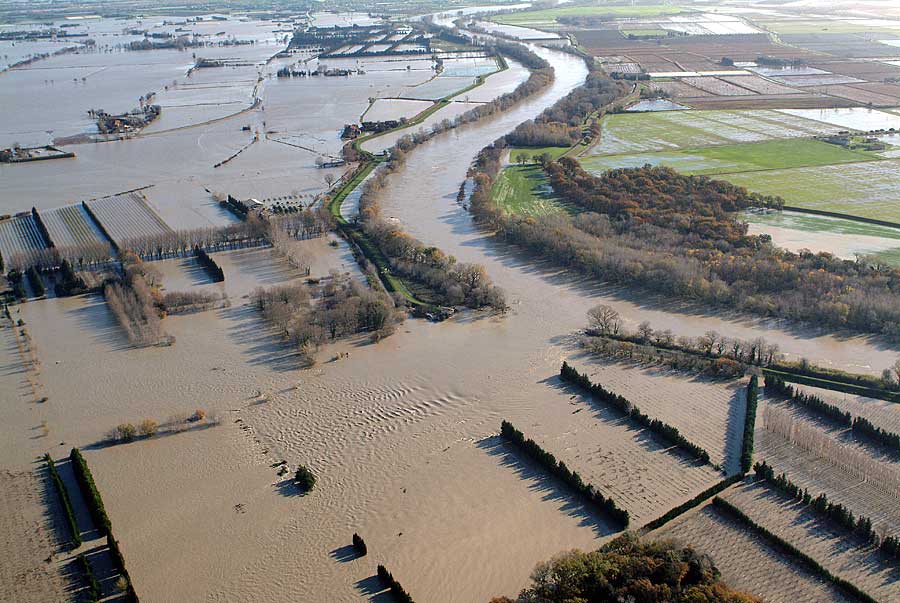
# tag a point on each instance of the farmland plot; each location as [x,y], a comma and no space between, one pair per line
[746,561]
[394,109]
[71,226]
[437,88]
[806,420]
[686,129]
[21,242]
[831,546]
[809,471]
[679,88]
[816,80]
[854,118]
[758,85]
[717,86]
[870,189]
[881,413]
[126,217]
[728,159]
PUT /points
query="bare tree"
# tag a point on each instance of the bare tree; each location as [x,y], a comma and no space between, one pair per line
[604,319]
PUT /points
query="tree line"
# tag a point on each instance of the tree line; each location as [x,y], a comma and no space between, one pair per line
[559,469]
[729,356]
[663,430]
[68,511]
[98,513]
[860,527]
[859,426]
[135,300]
[214,271]
[562,124]
[749,424]
[680,235]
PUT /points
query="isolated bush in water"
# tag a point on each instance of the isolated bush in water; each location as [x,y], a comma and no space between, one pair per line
[148,428]
[304,478]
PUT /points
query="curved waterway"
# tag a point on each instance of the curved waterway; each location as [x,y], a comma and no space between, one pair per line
[423,198]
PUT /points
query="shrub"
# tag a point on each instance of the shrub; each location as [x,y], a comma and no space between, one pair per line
[125,432]
[304,478]
[630,569]
[147,428]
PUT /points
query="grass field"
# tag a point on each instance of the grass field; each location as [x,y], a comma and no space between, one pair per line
[736,158]
[523,190]
[548,17]
[534,152]
[663,130]
[645,32]
[869,189]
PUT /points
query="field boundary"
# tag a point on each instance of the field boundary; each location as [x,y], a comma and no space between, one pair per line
[834,214]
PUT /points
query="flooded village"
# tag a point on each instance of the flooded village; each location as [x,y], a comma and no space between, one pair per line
[297,302]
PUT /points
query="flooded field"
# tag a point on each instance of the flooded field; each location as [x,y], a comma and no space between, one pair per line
[844,238]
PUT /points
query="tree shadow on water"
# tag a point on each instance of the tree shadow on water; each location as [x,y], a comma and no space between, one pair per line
[344,554]
[374,590]
[552,489]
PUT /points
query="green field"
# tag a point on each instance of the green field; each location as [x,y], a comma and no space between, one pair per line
[535,152]
[645,32]
[548,17]
[523,190]
[870,189]
[735,158]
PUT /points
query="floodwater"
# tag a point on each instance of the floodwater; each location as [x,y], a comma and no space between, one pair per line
[843,238]
[855,118]
[401,434]
[655,105]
